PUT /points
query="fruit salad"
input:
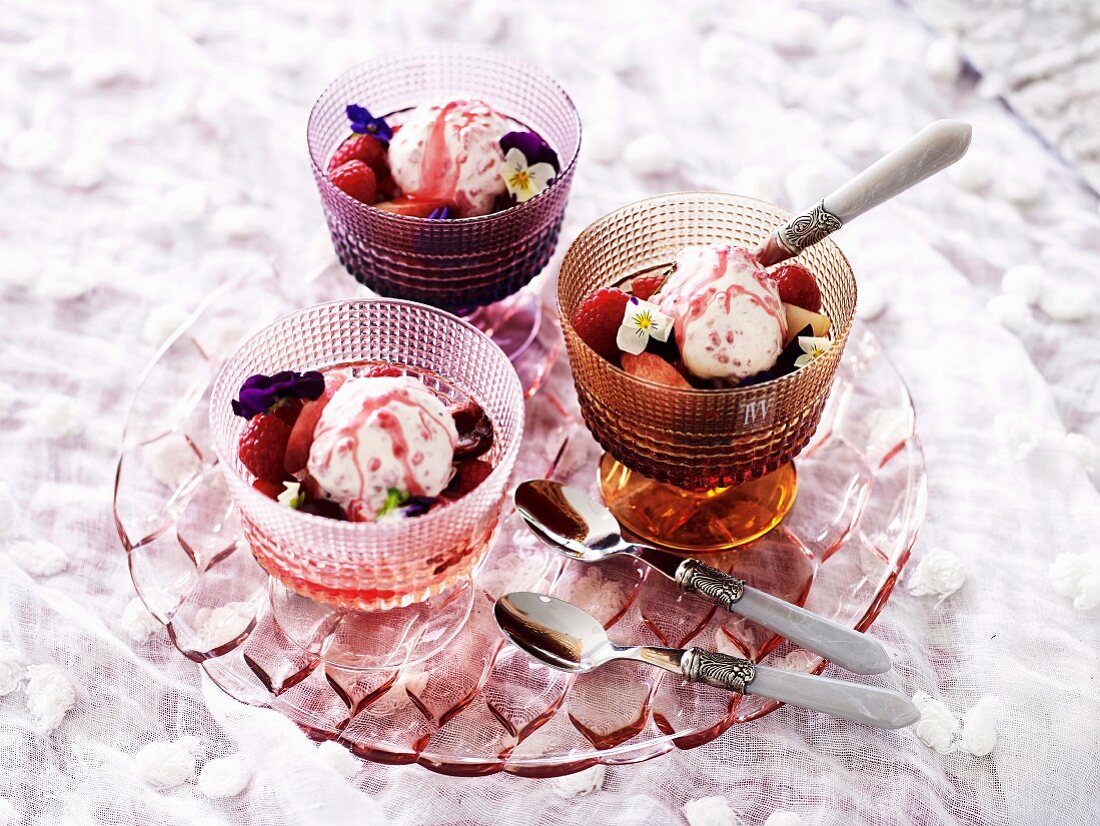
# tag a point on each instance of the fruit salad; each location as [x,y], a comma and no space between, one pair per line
[363,442]
[714,319]
[455,158]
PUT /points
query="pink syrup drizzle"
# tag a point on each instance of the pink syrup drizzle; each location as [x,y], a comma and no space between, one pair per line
[702,293]
[440,172]
[390,424]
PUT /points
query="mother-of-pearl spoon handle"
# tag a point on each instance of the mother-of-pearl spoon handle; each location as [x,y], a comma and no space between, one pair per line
[931,150]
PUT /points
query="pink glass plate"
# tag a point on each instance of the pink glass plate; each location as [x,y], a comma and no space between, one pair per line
[477,706]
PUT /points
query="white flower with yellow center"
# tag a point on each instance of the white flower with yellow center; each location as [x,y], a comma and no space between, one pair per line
[812,347]
[525,182]
[641,322]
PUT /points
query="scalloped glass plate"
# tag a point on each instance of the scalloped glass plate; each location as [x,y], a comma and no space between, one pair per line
[477,706]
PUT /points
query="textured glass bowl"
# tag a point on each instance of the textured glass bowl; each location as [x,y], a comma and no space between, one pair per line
[453,264]
[373,565]
[696,439]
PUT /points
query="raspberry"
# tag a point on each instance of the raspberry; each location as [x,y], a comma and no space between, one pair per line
[269,489]
[380,371]
[645,286]
[357,180]
[300,439]
[263,445]
[798,286]
[365,148]
[597,320]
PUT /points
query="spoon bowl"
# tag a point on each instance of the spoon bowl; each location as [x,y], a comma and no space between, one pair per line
[567,518]
[560,634]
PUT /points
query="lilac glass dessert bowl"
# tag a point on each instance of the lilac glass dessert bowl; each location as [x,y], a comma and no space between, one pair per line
[374,565]
[463,263]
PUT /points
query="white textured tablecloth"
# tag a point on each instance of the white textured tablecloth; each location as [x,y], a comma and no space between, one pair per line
[149,151]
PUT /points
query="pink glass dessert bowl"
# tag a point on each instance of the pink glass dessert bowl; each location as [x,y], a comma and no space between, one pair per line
[455,264]
[386,564]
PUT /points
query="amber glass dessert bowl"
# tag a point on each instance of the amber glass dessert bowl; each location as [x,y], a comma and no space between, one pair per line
[697,469]
[388,563]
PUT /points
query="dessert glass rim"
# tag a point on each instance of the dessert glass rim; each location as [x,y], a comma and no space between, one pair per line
[436,514]
[596,225]
[412,220]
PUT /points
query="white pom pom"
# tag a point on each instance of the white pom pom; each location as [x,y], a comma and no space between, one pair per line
[603,142]
[1084,450]
[942,59]
[165,764]
[871,302]
[721,54]
[709,811]
[38,557]
[797,31]
[858,138]
[11,669]
[9,512]
[136,621]
[64,281]
[974,171]
[1010,311]
[979,728]
[1067,571]
[338,758]
[808,183]
[50,695]
[162,321]
[1020,184]
[218,626]
[183,204]
[1024,280]
[1067,302]
[1088,592]
[172,460]
[579,783]
[1019,434]
[650,154]
[33,150]
[225,777]
[937,725]
[848,32]
[757,182]
[779,818]
[57,415]
[237,222]
[938,573]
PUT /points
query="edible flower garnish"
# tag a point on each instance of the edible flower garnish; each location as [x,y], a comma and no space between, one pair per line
[292,496]
[641,322]
[394,499]
[260,393]
[417,505]
[812,347]
[440,213]
[533,147]
[523,180]
[363,122]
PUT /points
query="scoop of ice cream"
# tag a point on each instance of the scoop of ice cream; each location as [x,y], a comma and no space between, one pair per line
[729,320]
[378,434]
[451,152]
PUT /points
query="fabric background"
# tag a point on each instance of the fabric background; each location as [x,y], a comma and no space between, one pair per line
[150,151]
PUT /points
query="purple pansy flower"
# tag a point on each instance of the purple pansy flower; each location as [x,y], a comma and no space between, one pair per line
[440,213]
[533,147]
[417,505]
[363,122]
[260,392]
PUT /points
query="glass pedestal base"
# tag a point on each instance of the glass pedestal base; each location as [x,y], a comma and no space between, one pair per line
[696,521]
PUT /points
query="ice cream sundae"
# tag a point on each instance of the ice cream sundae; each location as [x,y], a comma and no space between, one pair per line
[455,158]
[732,322]
[362,443]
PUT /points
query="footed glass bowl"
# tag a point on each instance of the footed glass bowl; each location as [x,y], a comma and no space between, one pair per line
[373,565]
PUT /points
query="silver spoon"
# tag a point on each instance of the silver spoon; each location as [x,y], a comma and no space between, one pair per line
[564,637]
[932,149]
[584,529]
